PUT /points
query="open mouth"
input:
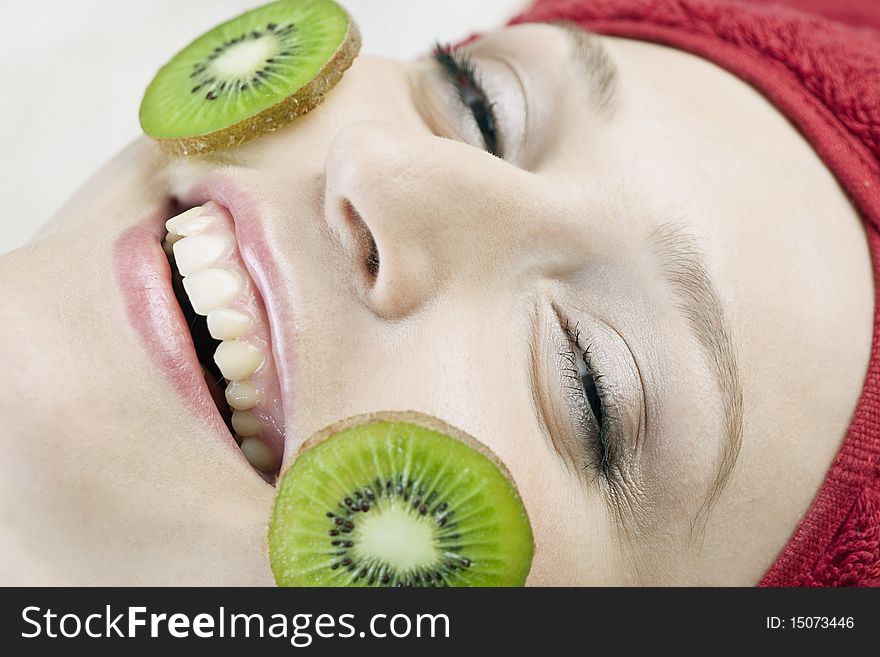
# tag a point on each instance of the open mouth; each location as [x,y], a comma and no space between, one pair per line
[229,329]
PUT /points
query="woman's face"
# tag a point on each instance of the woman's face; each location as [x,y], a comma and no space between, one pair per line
[652,302]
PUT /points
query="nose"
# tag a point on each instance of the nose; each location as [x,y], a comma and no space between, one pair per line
[415,211]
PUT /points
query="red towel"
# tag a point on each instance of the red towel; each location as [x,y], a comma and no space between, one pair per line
[818,62]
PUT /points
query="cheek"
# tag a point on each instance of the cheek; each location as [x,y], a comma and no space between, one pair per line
[575,536]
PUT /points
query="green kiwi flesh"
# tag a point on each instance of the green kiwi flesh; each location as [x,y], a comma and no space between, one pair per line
[398,499]
[248,76]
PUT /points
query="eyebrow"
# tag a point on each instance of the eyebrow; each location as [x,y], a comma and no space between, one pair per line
[683,266]
[592,59]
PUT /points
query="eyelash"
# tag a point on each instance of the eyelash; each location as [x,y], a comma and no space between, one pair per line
[597,408]
[464,77]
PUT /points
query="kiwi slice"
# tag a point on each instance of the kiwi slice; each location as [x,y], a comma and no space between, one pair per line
[398,499]
[250,75]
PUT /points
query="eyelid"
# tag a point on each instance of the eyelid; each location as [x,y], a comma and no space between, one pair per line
[584,423]
[434,100]
[624,398]
[641,429]
[596,423]
[509,121]
[548,355]
[465,79]
[624,393]
[503,84]
[542,346]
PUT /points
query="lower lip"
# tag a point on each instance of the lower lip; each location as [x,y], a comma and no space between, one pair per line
[144,278]
[263,269]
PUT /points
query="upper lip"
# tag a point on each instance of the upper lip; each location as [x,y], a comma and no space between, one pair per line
[258,258]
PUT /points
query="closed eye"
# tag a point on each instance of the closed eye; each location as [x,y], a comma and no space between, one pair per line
[463,74]
[585,384]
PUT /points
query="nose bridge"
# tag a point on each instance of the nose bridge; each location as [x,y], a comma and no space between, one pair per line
[428,204]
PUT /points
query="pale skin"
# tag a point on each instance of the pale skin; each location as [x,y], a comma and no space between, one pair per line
[109,478]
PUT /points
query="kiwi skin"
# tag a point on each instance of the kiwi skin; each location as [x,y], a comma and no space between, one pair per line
[278,115]
[410,417]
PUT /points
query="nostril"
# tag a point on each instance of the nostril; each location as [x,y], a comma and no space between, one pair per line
[373,259]
[367,250]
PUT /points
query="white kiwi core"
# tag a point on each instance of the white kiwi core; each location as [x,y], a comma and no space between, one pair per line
[242,59]
[398,538]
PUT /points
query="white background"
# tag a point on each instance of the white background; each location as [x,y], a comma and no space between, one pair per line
[73,73]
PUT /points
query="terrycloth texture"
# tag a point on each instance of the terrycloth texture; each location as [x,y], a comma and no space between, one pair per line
[818,62]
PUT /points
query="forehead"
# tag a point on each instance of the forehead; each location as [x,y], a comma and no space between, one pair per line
[549,37]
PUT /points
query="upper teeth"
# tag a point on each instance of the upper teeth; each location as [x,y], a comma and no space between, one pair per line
[195,225]
[199,252]
[209,289]
[201,243]
[172,224]
[228,324]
